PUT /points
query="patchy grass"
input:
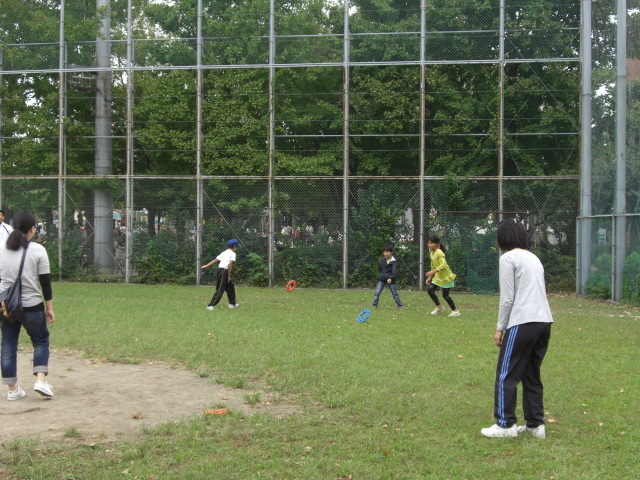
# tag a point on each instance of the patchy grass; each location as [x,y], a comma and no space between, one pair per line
[401,396]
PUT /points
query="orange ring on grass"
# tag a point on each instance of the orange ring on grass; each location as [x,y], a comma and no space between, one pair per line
[219,411]
[291,286]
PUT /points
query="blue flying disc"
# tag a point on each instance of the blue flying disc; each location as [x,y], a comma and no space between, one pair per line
[364,314]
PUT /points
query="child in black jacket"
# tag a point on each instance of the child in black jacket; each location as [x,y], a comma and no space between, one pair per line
[387,276]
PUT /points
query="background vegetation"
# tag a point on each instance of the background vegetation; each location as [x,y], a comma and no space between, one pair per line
[462,141]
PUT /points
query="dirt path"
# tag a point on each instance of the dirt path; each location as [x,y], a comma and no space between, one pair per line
[111,401]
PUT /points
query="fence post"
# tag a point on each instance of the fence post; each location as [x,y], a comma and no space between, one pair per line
[272,144]
[585,222]
[345,149]
[199,186]
[61,147]
[501,110]
[423,39]
[129,215]
[621,147]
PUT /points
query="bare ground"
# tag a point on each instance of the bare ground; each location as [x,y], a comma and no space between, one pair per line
[102,401]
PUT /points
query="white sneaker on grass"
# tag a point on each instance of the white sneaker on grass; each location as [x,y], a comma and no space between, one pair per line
[437,310]
[535,432]
[234,306]
[496,431]
[455,313]
[43,388]
[16,394]
[209,307]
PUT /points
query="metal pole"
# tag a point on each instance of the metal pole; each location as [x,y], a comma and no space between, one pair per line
[129,215]
[1,136]
[423,113]
[501,110]
[621,147]
[584,223]
[614,256]
[103,203]
[61,149]
[345,148]
[272,145]
[199,186]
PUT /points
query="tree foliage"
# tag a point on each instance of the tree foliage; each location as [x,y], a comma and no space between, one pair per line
[383,112]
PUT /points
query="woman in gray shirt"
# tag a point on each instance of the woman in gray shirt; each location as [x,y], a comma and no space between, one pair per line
[37,315]
[522,333]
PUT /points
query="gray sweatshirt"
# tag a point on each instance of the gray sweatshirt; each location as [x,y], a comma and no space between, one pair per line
[523,297]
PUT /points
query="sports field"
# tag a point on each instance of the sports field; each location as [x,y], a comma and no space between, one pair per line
[400,396]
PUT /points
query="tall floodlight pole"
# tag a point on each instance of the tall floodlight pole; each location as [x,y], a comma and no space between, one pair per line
[345,148]
[584,223]
[621,149]
[103,210]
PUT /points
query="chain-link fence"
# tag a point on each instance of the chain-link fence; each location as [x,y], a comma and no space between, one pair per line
[609,240]
[310,245]
[146,134]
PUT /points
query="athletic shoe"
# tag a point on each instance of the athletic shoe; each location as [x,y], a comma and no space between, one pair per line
[455,313]
[234,306]
[401,307]
[535,432]
[496,431]
[209,307]
[437,310]
[43,388]
[16,394]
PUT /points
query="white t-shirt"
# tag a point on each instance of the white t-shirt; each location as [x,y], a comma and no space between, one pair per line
[36,263]
[226,257]
[523,296]
[5,231]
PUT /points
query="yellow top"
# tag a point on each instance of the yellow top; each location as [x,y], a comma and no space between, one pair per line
[444,275]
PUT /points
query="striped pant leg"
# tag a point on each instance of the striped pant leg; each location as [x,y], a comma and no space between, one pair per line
[519,360]
[532,388]
[221,286]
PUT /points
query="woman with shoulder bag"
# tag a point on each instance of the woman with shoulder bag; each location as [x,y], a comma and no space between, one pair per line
[37,315]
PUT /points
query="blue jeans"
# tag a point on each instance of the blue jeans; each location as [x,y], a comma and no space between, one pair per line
[35,323]
[380,287]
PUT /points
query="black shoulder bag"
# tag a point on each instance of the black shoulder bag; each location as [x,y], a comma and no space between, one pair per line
[11,299]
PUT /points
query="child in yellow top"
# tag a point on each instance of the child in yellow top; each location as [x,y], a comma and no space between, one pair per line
[440,276]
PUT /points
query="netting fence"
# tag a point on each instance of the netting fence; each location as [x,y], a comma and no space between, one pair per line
[145,134]
[310,243]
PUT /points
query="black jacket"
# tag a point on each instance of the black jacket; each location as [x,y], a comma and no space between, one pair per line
[388,270]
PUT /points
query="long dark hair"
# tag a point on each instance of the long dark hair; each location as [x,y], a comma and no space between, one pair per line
[22,223]
[436,239]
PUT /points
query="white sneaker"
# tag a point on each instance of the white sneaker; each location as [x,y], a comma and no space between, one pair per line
[535,432]
[16,394]
[437,310]
[209,307]
[43,388]
[234,306]
[496,431]
[455,313]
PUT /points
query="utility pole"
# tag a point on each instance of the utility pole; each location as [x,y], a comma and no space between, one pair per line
[103,203]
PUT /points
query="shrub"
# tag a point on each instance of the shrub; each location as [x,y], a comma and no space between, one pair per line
[599,283]
[311,265]
[631,278]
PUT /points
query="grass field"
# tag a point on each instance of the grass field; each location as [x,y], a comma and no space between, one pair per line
[401,396]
